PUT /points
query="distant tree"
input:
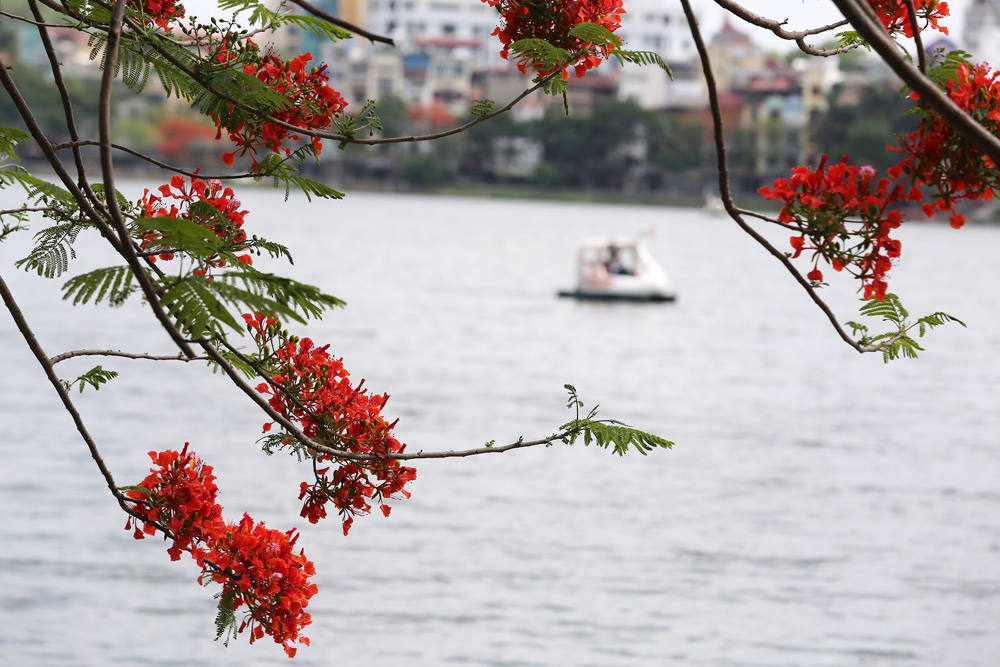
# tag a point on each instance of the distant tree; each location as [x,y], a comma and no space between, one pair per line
[850,127]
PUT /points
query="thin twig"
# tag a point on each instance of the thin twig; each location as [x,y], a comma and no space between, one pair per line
[864,22]
[56,67]
[43,360]
[777,27]
[761,216]
[917,39]
[27,209]
[163,165]
[127,250]
[25,19]
[43,143]
[118,353]
[340,23]
[306,441]
[724,189]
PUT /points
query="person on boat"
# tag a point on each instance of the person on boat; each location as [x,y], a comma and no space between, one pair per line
[614,264]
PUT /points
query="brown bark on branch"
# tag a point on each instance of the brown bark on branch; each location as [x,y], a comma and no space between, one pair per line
[865,23]
[726,193]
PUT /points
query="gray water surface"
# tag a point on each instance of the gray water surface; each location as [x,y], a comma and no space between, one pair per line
[819,508]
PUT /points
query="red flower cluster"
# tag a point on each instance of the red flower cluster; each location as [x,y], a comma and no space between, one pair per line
[552,21]
[896,17]
[256,565]
[844,218]
[160,12]
[310,103]
[224,216]
[938,157]
[321,400]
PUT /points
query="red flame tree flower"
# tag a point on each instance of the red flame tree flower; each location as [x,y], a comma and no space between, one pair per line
[257,566]
[552,22]
[316,395]
[306,101]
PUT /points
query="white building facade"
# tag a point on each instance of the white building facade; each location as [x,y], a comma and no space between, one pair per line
[654,25]
[467,21]
[982,32]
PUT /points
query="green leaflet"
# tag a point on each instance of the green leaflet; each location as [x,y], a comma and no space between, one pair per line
[317,26]
[37,188]
[180,234]
[225,619]
[897,342]
[236,362]
[197,311]
[113,283]
[643,58]
[608,432]
[596,33]
[53,250]
[9,139]
[482,107]
[259,14]
[269,293]
[284,174]
[95,377]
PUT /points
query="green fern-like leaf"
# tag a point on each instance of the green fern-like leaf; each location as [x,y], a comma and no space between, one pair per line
[897,342]
[538,52]
[95,377]
[259,13]
[180,234]
[269,293]
[482,107]
[276,442]
[595,33]
[113,283]
[196,309]
[236,362]
[53,250]
[317,26]
[607,432]
[10,138]
[643,58]
[40,190]
[225,618]
[612,433]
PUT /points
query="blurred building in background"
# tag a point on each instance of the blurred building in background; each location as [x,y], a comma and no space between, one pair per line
[981,34]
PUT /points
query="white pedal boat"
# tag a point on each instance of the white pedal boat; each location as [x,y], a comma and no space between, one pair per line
[619,270]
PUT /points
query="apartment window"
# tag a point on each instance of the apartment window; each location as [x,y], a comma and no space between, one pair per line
[448,29]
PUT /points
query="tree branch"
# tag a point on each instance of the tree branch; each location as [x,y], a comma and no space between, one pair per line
[127,250]
[304,440]
[864,21]
[26,209]
[163,165]
[777,27]
[340,23]
[43,360]
[724,188]
[56,68]
[917,39]
[118,353]
[43,143]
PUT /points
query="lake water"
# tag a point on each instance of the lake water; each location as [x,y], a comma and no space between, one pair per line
[819,508]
